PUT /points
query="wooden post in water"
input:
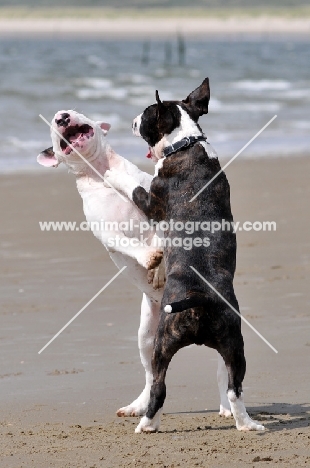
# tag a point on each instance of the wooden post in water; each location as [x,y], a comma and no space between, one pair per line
[146,47]
[181,49]
[168,53]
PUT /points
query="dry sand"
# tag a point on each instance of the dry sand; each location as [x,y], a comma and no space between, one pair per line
[157,27]
[58,408]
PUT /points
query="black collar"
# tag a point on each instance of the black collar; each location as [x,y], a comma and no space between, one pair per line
[184,143]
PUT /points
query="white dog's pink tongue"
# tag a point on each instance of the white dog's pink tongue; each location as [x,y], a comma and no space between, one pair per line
[68,150]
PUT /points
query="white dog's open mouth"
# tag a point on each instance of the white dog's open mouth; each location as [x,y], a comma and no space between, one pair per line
[76,135]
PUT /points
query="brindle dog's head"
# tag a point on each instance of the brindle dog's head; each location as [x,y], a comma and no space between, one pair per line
[164,117]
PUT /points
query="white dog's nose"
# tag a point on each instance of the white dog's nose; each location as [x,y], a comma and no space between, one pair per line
[62,119]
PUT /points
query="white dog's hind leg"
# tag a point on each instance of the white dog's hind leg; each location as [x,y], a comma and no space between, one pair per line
[148,326]
[243,420]
[222,381]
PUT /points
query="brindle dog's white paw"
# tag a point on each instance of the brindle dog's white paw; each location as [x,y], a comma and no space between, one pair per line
[250,425]
[147,425]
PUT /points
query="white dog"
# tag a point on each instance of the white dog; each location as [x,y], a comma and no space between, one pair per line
[103,204]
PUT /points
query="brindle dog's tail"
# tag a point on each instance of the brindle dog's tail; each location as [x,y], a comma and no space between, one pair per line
[188,303]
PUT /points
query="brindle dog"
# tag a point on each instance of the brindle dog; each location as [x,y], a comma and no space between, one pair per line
[201,316]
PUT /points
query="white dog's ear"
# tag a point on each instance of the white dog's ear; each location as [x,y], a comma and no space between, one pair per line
[105,127]
[47,158]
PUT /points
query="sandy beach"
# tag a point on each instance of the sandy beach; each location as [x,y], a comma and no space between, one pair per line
[58,408]
[137,27]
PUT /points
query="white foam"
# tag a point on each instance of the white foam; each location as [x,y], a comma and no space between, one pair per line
[88,93]
[297,94]
[97,61]
[115,120]
[300,124]
[97,83]
[14,142]
[134,78]
[148,91]
[261,85]
[217,106]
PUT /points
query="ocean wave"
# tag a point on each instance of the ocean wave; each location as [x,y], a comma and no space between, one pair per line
[133,78]
[296,94]
[115,120]
[96,83]
[300,124]
[217,106]
[97,61]
[262,85]
[141,90]
[140,101]
[91,93]
[11,142]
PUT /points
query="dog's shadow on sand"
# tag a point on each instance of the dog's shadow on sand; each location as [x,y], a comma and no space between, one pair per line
[274,416]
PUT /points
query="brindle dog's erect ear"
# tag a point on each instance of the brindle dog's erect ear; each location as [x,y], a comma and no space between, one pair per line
[165,118]
[160,106]
[47,158]
[197,102]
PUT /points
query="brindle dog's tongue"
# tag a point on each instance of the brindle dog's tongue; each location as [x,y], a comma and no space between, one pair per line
[149,154]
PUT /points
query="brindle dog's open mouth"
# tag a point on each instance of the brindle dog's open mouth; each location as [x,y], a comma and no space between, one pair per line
[75,135]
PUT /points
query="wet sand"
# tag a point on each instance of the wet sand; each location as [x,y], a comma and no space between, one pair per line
[58,408]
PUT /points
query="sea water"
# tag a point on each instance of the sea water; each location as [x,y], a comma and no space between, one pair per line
[114,80]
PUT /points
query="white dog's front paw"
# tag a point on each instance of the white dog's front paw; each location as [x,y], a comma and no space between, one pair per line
[120,181]
[147,425]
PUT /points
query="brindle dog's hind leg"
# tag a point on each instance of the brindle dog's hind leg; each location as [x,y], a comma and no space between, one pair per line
[222,381]
[233,355]
[166,345]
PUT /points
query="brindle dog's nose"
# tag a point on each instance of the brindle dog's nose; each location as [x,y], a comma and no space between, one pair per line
[64,121]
